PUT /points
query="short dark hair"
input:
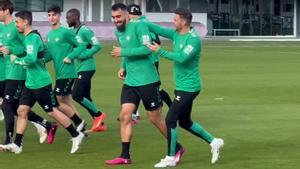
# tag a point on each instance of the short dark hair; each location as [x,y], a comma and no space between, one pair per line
[7,5]
[184,14]
[55,9]
[75,12]
[118,6]
[25,15]
[134,9]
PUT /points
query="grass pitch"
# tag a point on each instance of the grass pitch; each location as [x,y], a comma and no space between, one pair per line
[249,99]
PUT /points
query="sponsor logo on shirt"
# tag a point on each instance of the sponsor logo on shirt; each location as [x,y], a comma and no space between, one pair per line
[57,89]
[188,49]
[8,35]
[177,98]
[128,37]
[56,39]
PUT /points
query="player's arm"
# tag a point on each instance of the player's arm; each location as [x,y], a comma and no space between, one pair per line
[192,48]
[143,35]
[31,53]
[18,50]
[93,41]
[160,30]
[79,45]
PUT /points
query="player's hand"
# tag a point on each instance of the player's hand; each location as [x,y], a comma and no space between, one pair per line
[121,74]
[67,60]
[4,50]
[154,47]
[12,57]
[116,52]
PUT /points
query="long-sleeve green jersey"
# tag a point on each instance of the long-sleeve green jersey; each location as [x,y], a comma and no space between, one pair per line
[136,57]
[85,61]
[186,57]
[63,43]
[154,37]
[37,76]
[2,62]
[13,40]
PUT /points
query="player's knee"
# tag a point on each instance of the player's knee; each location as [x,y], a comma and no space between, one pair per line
[185,124]
[77,97]
[170,122]
[22,112]
[125,117]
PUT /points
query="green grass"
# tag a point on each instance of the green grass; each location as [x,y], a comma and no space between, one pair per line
[258,117]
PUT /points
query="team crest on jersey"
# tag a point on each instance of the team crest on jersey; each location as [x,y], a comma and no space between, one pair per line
[8,35]
[188,49]
[146,39]
[56,39]
[29,49]
[181,46]
[79,40]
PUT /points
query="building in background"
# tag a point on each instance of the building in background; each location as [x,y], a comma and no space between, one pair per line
[221,17]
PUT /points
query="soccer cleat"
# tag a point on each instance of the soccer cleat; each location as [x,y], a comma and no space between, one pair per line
[168,161]
[216,146]
[118,161]
[42,131]
[51,133]
[179,154]
[81,126]
[101,128]
[12,147]
[76,141]
[98,121]
[1,115]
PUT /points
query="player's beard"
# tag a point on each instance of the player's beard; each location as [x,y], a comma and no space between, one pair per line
[121,28]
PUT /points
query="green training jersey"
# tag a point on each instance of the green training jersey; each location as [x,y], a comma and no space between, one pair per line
[85,61]
[37,76]
[2,61]
[135,54]
[186,57]
[61,43]
[154,37]
[13,40]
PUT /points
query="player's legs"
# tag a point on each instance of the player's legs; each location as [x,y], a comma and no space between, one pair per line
[63,95]
[81,94]
[12,93]
[47,101]
[2,87]
[129,102]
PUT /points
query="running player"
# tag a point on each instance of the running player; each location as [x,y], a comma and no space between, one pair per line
[186,56]
[86,68]
[63,46]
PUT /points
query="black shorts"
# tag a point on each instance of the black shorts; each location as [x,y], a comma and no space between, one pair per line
[82,85]
[2,88]
[44,96]
[13,89]
[149,94]
[182,102]
[63,87]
